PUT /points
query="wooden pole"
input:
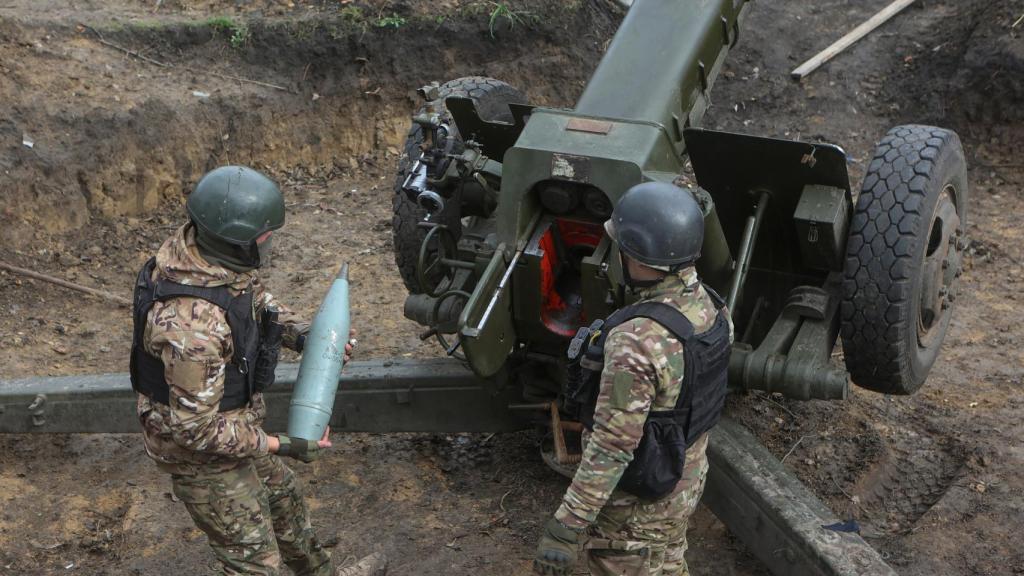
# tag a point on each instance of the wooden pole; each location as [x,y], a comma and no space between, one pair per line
[846,41]
[119,300]
[110,44]
[105,42]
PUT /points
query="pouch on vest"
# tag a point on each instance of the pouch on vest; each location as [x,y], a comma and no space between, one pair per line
[270,349]
[578,393]
[658,460]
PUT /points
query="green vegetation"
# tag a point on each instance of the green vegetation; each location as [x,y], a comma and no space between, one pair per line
[237,32]
[352,14]
[239,37]
[502,10]
[499,15]
[393,21]
[220,23]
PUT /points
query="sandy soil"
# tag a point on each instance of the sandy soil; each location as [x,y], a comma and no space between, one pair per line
[935,479]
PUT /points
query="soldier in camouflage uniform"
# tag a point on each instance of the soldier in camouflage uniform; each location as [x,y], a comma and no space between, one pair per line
[198,424]
[619,533]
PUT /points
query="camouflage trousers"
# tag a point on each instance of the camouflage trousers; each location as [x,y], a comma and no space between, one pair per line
[637,538]
[255,519]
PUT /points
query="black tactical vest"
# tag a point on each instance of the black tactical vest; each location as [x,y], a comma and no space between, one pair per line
[147,371]
[658,461]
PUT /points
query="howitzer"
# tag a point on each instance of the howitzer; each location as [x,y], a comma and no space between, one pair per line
[499,209]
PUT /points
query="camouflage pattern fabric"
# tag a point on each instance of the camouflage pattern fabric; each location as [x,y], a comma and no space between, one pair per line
[246,501]
[255,518]
[193,339]
[637,538]
[642,372]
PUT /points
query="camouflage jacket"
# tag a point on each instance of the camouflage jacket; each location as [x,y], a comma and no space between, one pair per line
[193,339]
[643,369]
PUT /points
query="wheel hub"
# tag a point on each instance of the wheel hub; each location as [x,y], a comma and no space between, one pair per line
[941,268]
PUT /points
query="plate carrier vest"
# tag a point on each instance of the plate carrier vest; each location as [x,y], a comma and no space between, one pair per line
[147,371]
[658,460]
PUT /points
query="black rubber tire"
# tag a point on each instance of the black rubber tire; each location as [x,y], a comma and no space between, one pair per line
[889,240]
[492,98]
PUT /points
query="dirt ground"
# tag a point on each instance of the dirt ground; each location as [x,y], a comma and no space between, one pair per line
[97,147]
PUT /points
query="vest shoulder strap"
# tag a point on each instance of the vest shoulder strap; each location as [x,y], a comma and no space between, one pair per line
[216,295]
[715,297]
[679,326]
[672,319]
[143,294]
[144,279]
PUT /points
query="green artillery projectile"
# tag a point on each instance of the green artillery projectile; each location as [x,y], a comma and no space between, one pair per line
[322,359]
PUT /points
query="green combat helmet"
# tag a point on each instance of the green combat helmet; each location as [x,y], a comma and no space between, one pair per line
[232,207]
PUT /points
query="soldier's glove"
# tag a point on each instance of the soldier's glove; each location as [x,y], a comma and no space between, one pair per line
[558,549]
[298,448]
[300,340]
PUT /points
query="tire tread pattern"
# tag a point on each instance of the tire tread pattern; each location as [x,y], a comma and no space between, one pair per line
[883,244]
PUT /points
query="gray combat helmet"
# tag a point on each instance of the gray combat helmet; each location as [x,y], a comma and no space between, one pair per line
[659,225]
[231,207]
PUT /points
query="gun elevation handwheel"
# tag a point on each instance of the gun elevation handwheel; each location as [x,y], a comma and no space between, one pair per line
[492,98]
[434,271]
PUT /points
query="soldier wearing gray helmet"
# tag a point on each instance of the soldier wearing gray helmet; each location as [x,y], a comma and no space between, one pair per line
[206,339]
[654,385]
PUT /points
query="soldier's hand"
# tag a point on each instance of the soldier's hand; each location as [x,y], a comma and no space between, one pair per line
[325,440]
[300,343]
[302,449]
[557,550]
[350,345]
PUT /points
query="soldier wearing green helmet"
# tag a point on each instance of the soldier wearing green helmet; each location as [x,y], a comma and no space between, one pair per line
[234,210]
[206,339]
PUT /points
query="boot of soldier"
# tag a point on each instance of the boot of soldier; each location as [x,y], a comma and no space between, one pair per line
[375,564]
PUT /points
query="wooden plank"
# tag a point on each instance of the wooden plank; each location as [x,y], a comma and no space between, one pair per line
[846,41]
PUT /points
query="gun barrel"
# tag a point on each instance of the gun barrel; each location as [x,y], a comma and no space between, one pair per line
[662,62]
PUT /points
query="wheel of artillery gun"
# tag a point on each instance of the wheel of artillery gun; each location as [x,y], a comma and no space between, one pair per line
[492,98]
[904,257]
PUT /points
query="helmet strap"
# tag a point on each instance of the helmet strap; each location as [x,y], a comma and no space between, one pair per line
[632,283]
[263,253]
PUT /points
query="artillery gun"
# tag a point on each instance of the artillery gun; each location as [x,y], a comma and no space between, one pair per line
[499,208]
[498,234]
